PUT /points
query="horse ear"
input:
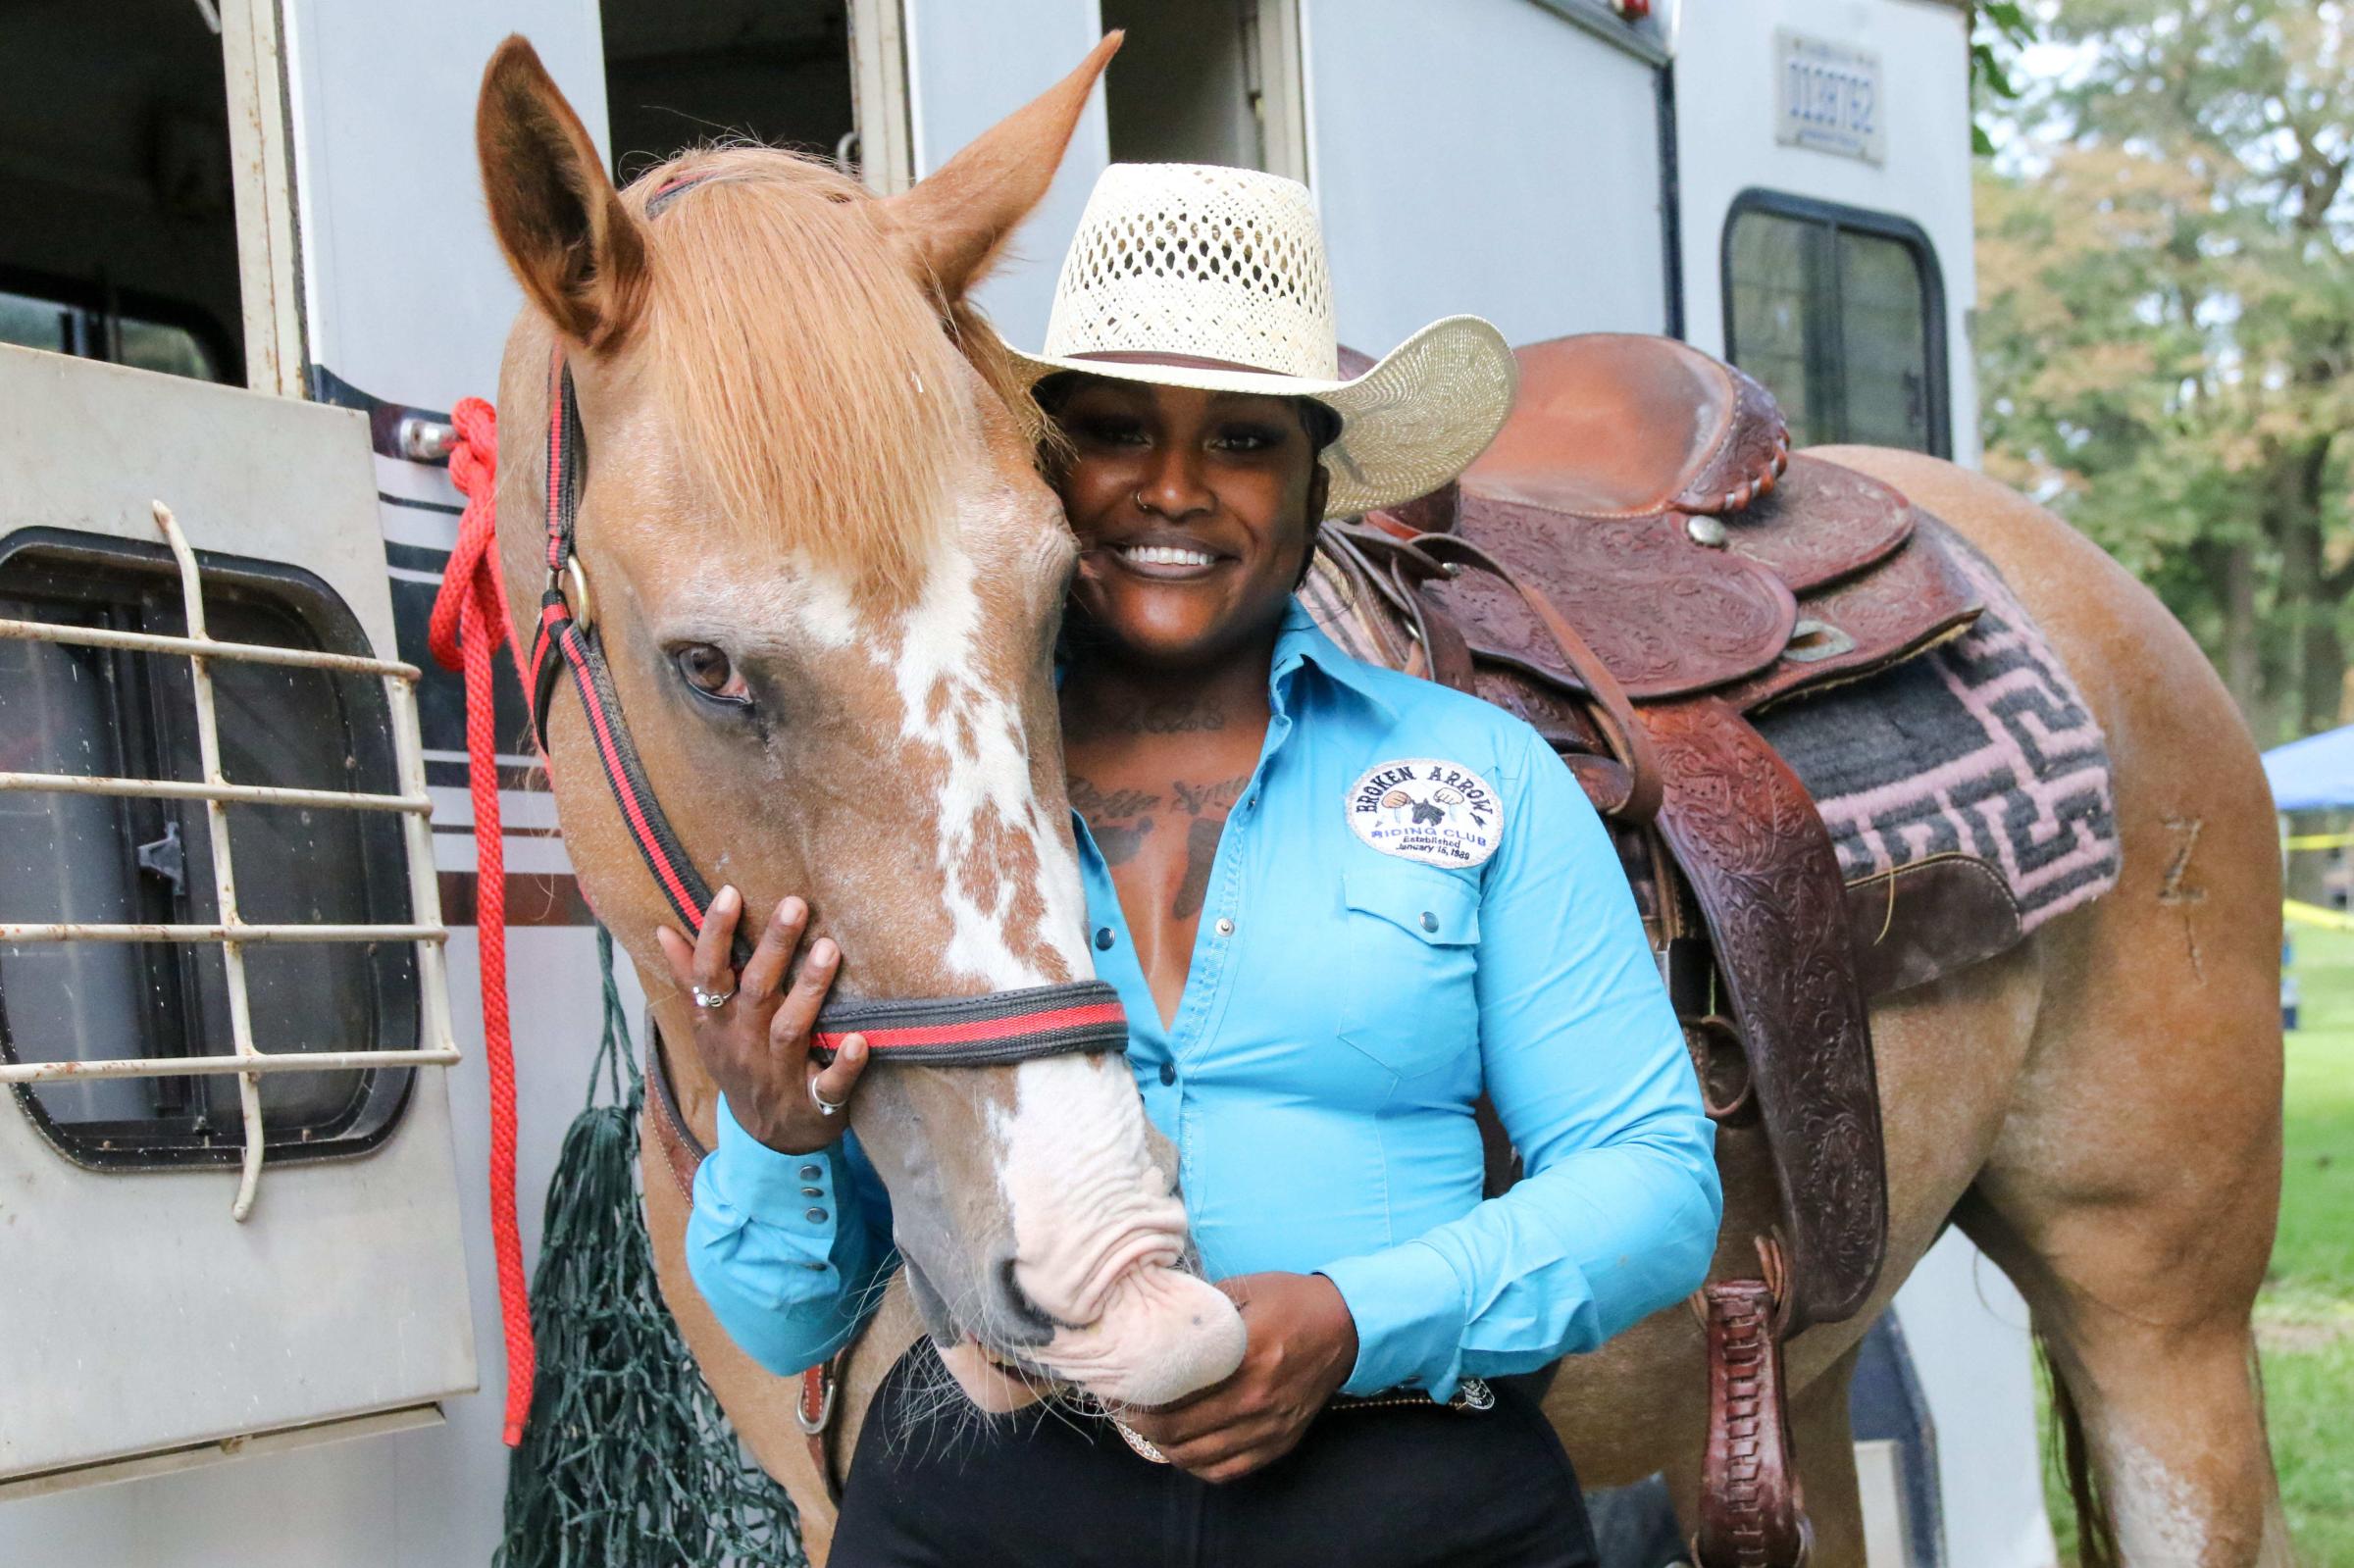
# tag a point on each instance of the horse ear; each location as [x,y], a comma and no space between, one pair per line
[955,222]
[576,251]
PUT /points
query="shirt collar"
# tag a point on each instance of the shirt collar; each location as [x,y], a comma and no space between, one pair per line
[1300,641]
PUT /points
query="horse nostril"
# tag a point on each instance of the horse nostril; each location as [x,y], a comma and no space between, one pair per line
[1025,1323]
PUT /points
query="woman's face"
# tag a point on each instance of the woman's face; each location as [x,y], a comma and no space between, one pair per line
[1195,513]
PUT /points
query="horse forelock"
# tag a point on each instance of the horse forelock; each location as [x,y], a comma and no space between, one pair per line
[814,392]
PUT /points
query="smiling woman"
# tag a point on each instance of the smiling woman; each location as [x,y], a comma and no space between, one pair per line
[1170,486]
[1339,905]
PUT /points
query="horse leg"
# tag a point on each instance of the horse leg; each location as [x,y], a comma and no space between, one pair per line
[2154,1385]
[1820,1432]
[2132,1190]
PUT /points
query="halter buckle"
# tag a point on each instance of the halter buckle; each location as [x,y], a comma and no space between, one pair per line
[573,585]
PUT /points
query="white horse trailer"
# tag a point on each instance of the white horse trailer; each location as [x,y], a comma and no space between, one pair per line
[280,195]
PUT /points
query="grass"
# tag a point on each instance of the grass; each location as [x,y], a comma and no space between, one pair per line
[2305,1315]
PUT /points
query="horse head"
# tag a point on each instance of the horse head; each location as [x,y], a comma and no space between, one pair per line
[827,579]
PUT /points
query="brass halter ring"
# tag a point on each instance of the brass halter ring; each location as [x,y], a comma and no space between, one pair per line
[576,592]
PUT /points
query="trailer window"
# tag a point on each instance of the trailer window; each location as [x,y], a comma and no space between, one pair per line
[105,859]
[677,76]
[1213,82]
[87,331]
[118,185]
[1841,314]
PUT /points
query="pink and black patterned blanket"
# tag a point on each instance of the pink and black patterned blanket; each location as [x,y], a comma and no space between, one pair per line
[1983,746]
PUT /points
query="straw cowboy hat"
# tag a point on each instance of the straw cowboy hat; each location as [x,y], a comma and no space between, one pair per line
[1191,274]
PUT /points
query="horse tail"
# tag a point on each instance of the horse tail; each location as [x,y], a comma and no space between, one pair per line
[2096,1524]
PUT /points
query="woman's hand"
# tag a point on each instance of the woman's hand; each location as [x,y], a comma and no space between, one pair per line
[756,1045]
[1301,1347]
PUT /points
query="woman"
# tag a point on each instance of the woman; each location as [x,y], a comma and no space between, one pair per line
[1339,904]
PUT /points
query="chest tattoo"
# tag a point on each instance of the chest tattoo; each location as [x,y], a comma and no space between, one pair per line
[1207,805]
[1181,718]
[1123,820]
[1198,799]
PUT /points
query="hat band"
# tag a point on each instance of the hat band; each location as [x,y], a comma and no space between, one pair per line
[1183,362]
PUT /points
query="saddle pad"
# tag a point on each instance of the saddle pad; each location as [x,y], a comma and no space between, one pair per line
[1982,746]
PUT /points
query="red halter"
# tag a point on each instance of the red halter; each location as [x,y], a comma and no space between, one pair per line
[953,1031]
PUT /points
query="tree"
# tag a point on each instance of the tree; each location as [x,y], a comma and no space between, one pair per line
[2166,322]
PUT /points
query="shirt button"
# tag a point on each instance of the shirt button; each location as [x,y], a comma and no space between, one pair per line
[811,1173]
[814,1268]
[1430,922]
[1168,1071]
[1225,926]
[1103,939]
[813,1192]
[816,1216]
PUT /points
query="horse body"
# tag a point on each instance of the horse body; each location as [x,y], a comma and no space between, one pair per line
[2098,1108]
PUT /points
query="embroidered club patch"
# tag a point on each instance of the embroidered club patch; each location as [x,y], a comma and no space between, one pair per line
[1420,808]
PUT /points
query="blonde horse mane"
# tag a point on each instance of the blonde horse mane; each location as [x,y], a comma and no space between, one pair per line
[813,381]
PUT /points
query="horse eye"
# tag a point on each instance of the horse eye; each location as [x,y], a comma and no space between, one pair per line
[711,673]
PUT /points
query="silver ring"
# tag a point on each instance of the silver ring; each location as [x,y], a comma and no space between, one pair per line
[713,999]
[825,1107]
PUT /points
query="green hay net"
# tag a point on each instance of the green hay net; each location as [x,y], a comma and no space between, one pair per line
[627,1459]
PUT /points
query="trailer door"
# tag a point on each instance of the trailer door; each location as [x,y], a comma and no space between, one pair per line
[225,1180]
[228,1202]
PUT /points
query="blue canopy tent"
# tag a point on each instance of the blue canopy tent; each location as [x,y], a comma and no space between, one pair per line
[2313,773]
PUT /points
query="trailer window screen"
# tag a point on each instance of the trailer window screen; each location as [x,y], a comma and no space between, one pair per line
[109,859]
[1840,314]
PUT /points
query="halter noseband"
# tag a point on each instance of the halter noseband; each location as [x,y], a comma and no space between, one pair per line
[952,1031]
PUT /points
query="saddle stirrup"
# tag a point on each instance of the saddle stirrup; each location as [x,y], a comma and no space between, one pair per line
[1752,1510]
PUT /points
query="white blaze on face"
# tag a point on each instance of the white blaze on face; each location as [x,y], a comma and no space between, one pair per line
[987,787]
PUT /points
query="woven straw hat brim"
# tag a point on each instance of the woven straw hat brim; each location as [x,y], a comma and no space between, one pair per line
[1407,426]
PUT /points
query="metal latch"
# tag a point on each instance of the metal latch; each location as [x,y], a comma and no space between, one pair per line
[167,858]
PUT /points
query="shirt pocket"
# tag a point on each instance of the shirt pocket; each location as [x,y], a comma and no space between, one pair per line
[1410,954]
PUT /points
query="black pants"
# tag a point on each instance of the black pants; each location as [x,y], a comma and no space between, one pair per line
[1378,1488]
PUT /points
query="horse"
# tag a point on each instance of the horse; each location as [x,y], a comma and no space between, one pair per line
[807,452]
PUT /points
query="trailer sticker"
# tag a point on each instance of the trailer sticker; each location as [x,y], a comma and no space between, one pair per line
[1827,97]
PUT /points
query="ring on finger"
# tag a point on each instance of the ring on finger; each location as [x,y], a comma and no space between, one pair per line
[713,999]
[825,1107]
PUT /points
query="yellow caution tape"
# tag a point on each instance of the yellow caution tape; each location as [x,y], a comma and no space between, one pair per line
[2305,914]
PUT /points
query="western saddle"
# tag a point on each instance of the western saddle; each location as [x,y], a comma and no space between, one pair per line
[1636,567]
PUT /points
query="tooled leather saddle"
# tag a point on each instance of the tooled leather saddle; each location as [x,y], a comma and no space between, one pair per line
[1637,566]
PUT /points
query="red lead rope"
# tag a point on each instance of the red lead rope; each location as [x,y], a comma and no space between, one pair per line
[470,622]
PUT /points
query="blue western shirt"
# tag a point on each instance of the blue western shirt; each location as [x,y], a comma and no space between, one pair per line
[1412,903]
